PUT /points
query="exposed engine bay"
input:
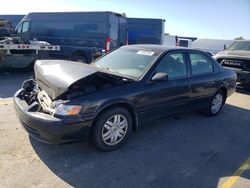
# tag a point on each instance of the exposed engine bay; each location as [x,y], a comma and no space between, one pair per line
[57,82]
[34,94]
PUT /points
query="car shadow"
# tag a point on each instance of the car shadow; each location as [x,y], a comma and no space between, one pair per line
[185,150]
[11,80]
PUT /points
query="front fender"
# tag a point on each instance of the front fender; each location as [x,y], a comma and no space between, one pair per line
[119,102]
[112,102]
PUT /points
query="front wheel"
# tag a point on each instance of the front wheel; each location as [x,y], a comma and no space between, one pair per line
[112,129]
[215,104]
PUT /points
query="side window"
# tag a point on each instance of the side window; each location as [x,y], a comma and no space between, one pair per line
[19,29]
[200,64]
[25,27]
[173,64]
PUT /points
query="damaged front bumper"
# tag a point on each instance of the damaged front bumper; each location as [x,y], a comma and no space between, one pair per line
[47,128]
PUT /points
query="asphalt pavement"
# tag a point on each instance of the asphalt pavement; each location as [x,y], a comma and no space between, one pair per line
[185,150]
[11,80]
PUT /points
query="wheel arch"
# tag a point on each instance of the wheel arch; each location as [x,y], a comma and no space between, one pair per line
[124,105]
[224,90]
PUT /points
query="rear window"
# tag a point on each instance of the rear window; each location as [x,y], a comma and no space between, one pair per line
[183,43]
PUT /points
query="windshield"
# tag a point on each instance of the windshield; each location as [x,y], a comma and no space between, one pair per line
[128,61]
[239,45]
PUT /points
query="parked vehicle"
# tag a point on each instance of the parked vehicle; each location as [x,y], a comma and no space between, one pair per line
[170,40]
[20,52]
[14,19]
[16,52]
[114,95]
[237,58]
[145,31]
[174,40]
[5,28]
[78,33]
[211,46]
[185,43]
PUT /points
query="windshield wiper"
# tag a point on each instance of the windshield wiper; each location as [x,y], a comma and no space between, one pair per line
[108,69]
[117,78]
[117,72]
[105,68]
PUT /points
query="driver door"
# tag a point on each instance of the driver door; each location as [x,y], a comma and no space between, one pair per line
[172,95]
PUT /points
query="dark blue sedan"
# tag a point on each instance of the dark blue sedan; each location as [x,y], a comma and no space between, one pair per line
[67,101]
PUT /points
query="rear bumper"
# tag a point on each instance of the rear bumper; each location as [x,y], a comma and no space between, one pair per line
[49,129]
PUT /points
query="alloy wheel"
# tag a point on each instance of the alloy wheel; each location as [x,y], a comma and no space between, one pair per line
[217,103]
[114,129]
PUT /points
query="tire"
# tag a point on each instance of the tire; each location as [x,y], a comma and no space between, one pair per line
[103,130]
[215,104]
[79,58]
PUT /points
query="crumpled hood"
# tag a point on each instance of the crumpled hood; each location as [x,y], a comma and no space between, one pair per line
[56,76]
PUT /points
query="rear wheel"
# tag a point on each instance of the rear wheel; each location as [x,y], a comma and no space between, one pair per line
[215,104]
[112,129]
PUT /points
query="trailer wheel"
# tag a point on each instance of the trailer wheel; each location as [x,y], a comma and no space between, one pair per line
[79,58]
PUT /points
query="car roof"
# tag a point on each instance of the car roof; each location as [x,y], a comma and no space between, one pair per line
[159,48]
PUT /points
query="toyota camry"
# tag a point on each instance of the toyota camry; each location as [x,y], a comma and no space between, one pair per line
[108,99]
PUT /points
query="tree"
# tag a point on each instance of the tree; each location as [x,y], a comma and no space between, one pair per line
[239,38]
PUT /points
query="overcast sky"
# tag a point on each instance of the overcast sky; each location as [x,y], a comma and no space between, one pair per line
[220,19]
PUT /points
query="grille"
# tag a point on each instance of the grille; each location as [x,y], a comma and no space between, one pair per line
[232,63]
[242,64]
[247,64]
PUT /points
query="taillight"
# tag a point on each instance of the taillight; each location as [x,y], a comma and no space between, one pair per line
[23,46]
[107,45]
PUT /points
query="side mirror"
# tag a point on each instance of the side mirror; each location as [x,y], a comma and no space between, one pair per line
[160,77]
[224,47]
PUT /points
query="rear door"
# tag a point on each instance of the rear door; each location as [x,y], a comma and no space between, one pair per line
[203,78]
